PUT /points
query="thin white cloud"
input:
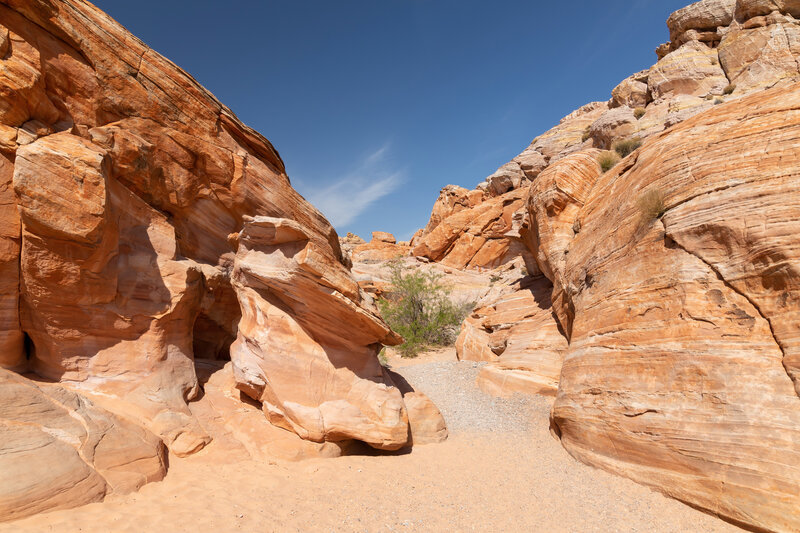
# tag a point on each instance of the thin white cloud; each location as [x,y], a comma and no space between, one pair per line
[349,196]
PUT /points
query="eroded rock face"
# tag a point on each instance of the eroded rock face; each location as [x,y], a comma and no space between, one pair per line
[692,69]
[554,203]
[301,309]
[674,274]
[631,92]
[761,55]
[12,353]
[704,16]
[518,334]
[59,450]
[382,247]
[682,366]
[484,235]
[124,186]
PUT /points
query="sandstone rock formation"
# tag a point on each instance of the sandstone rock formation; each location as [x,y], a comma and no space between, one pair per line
[237,425]
[301,316]
[483,235]
[124,186]
[349,242]
[519,336]
[59,450]
[682,367]
[382,247]
[674,275]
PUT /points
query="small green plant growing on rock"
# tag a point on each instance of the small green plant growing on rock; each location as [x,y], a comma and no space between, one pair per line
[729,89]
[418,306]
[382,359]
[639,112]
[586,134]
[626,147]
[607,160]
[651,205]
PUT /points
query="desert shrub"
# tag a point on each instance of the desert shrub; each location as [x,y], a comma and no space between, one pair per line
[382,359]
[729,89]
[651,204]
[607,160]
[586,134]
[625,147]
[718,101]
[419,307]
[639,112]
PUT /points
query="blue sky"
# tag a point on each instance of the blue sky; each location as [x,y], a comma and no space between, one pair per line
[375,105]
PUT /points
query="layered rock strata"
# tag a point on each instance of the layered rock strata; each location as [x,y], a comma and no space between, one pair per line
[59,450]
[124,186]
[301,316]
[719,50]
[674,283]
[682,366]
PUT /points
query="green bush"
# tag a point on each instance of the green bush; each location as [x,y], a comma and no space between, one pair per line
[651,204]
[639,112]
[586,134]
[419,308]
[607,160]
[729,89]
[625,147]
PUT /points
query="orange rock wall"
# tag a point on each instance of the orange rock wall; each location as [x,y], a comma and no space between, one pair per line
[124,189]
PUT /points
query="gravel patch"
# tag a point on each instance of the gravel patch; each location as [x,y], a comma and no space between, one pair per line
[467,409]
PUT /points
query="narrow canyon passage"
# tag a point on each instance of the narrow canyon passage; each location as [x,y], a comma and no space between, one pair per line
[500,470]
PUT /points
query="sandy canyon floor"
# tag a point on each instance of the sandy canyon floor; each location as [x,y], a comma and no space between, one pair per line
[499,471]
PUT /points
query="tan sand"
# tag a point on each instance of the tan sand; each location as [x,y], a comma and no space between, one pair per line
[507,479]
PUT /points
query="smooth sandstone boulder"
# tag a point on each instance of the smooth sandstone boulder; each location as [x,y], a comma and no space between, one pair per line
[682,365]
[531,162]
[238,426]
[692,69]
[506,178]
[304,318]
[59,450]
[426,423]
[632,92]
[704,15]
[617,123]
